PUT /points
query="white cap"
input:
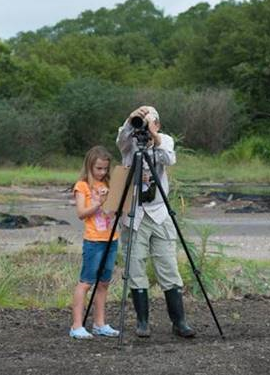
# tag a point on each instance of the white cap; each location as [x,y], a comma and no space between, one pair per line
[153,113]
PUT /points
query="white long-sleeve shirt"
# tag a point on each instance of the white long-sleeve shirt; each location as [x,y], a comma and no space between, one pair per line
[164,156]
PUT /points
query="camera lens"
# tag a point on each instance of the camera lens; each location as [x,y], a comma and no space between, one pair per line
[137,122]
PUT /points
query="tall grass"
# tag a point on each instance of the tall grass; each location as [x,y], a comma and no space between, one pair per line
[223,277]
[45,276]
[42,276]
[8,283]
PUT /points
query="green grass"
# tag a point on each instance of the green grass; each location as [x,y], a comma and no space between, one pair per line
[198,168]
[189,168]
[30,175]
[42,276]
[45,276]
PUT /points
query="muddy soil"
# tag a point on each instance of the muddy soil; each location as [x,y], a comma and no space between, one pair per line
[37,342]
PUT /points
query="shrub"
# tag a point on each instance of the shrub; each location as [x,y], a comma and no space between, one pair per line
[28,134]
[249,148]
[211,120]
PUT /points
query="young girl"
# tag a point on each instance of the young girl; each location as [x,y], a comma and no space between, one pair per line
[90,193]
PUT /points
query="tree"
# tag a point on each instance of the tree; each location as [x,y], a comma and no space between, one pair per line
[29,133]
[89,106]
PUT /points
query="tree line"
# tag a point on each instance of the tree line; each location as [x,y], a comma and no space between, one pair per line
[66,87]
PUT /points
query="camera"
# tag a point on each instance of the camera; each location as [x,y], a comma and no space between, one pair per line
[141,131]
[139,124]
[150,194]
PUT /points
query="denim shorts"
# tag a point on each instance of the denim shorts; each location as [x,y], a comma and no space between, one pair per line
[93,252]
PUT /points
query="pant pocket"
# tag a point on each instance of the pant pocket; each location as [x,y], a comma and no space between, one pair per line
[169,229]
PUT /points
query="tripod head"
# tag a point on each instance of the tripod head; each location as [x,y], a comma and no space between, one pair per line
[141,131]
[143,137]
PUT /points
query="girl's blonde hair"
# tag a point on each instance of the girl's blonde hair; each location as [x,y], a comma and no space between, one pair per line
[96,152]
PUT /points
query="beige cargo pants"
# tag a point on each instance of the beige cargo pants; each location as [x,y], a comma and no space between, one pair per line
[157,242]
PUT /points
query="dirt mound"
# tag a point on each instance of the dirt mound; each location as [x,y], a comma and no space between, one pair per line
[8,221]
[238,203]
[37,342]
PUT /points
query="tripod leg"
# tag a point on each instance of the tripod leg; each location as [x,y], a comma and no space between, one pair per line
[172,215]
[137,161]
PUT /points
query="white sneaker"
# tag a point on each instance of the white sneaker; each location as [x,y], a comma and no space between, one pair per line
[80,333]
[105,330]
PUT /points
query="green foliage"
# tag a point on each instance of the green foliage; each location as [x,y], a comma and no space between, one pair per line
[9,279]
[248,277]
[192,168]
[36,175]
[249,148]
[209,260]
[29,133]
[89,107]
[221,276]
[211,119]
[208,120]
[44,277]
[206,70]
[39,78]
[29,76]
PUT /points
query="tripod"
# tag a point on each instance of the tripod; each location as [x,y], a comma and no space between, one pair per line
[135,174]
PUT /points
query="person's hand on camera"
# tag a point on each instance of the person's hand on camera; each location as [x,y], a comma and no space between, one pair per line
[153,127]
[139,112]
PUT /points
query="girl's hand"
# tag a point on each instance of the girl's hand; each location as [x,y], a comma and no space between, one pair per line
[103,191]
[103,194]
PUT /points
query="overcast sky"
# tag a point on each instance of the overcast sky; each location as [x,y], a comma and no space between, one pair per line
[25,15]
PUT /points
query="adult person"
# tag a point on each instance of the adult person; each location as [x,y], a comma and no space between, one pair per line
[154,234]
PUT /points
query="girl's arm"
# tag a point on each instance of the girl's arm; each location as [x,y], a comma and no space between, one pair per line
[83,211]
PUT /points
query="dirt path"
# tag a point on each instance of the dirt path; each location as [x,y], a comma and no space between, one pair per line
[244,235]
[37,342]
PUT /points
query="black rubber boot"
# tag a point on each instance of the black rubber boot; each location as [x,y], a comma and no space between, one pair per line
[174,300]
[140,301]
